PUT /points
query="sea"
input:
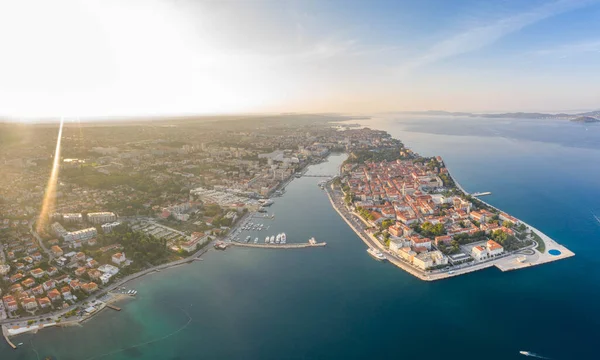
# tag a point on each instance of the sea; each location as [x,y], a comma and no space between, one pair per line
[337,302]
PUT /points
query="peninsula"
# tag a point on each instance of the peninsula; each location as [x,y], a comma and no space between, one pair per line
[409,210]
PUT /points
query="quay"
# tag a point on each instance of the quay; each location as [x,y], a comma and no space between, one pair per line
[5,334]
[110,306]
[279,246]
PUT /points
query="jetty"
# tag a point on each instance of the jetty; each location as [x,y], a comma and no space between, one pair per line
[481,193]
[5,334]
[111,306]
[279,246]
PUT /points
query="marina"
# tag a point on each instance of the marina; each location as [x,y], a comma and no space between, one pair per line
[281,246]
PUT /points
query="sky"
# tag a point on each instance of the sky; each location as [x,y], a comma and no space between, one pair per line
[90,58]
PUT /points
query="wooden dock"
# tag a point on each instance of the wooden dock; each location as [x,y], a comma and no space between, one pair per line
[110,306]
[279,246]
[5,334]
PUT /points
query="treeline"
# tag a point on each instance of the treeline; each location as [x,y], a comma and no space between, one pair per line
[428,229]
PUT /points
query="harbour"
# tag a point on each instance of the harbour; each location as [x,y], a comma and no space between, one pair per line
[310,275]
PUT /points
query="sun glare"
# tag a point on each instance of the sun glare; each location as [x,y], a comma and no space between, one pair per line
[50,195]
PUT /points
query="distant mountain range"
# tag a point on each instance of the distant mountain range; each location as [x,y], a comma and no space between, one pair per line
[593,116]
[585,119]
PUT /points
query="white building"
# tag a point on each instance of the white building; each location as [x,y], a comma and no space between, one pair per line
[397,244]
[493,248]
[83,235]
[58,229]
[118,258]
[109,269]
[101,217]
[429,259]
[489,250]
[107,228]
[105,278]
[479,253]
[72,218]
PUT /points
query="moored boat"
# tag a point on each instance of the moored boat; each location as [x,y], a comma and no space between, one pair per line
[376,254]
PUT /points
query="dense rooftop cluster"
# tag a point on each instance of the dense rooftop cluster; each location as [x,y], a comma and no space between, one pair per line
[413,207]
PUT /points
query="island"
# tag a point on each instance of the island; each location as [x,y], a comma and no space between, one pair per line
[585,119]
[511,115]
[409,210]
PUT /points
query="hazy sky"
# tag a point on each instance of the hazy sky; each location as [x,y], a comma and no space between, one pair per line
[125,57]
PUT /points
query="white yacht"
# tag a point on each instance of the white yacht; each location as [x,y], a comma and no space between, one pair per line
[376,254]
[272,240]
[283,238]
[267,240]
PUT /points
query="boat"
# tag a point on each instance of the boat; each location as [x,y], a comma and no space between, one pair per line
[267,202]
[312,241]
[451,272]
[529,353]
[247,238]
[256,240]
[267,240]
[597,218]
[278,238]
[283,238]
[272,239]
[376,254]
[19,344]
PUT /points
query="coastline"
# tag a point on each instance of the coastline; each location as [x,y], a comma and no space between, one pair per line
[113,298]
[508,262]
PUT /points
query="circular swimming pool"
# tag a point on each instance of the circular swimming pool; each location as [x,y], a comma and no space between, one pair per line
[554,252]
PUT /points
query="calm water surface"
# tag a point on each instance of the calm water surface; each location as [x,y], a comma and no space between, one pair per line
[337,302]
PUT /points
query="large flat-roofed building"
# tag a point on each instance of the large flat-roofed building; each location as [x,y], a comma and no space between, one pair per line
[108,227]
[58,229]
[101,217]
[72,218]
[82,235]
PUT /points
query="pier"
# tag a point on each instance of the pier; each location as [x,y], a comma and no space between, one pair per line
[279,246]
[110,306]
[5,334]
[481,193]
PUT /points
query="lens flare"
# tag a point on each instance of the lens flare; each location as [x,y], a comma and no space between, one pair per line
[50,195]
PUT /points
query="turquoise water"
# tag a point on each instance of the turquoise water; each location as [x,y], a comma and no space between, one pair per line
[337,302]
